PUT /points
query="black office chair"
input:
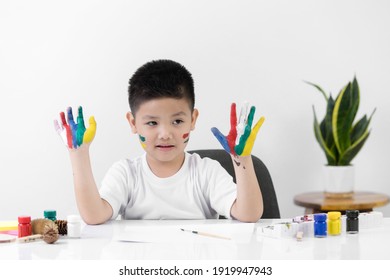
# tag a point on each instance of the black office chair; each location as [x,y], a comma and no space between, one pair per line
[271,206]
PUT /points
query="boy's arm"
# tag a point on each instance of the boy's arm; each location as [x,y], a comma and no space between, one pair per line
[93,209]
[248,206]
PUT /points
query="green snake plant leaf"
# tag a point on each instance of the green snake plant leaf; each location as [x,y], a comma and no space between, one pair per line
[328,133]
[345,109]
[353,150]
[360,127]
[320,139]
[319,88]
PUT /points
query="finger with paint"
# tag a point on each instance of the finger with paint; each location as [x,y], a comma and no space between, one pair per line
[61,132]
[242,121]
[90,132]
[247,139]
[228,142]
[73,126]
[64,131]
[80,127]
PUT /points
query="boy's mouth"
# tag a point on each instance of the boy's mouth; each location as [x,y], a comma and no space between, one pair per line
[165,146]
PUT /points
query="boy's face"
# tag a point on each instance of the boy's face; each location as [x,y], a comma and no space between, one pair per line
[163,126]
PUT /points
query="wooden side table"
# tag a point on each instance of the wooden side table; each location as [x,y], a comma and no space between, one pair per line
[315,202]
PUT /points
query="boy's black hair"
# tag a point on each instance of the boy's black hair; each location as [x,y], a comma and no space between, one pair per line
[158,79]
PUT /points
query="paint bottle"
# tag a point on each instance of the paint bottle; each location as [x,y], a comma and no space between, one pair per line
[352,221]
[50,214]
[320,225]
[74,226]
[24,226]
[334,223]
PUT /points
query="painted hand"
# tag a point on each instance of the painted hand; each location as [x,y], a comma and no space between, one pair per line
[75,134]
[242,136]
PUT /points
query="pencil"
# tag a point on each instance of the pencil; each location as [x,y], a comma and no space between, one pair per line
[206,234]
[29,238]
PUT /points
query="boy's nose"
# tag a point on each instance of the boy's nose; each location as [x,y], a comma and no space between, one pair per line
[164,133]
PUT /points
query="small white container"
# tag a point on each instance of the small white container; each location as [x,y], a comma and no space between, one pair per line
[74,226]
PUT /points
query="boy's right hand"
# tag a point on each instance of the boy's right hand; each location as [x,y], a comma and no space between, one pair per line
[75,134]
[239,144]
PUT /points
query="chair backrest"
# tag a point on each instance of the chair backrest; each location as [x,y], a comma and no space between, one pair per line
[271,206]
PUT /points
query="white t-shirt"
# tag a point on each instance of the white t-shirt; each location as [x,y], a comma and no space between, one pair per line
[201,189]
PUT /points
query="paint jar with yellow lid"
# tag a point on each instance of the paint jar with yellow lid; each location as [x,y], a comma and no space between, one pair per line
[334,223]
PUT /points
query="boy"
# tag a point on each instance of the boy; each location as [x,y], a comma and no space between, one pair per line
[166,182]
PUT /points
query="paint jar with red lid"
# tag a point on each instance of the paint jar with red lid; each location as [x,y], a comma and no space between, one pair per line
[24,226]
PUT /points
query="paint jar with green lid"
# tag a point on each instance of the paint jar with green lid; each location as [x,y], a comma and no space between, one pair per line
[50,214]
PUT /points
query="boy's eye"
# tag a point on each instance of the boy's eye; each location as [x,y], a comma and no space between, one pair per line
[151,123]
[176,122]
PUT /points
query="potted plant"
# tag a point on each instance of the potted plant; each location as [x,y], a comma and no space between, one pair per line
[340,137]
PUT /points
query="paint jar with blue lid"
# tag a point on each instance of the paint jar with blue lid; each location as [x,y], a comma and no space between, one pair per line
[320,226]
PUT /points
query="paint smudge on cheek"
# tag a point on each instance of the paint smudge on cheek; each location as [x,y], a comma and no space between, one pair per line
[142,139]
[186,137]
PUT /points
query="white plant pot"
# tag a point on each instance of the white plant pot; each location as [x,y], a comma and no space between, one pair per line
[339,180]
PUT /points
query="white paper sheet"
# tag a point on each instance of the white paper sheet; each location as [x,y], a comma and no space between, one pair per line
[173,233]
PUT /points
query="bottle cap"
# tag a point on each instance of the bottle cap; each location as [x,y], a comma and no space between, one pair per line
[334,215]
[50,214]
[24,219]
[320,217]
[352,213]
[74,219]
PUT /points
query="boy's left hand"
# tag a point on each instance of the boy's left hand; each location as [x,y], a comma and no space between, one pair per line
[239,143]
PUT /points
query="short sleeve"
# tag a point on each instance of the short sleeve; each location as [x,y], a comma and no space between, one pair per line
[114,188]
[221,188]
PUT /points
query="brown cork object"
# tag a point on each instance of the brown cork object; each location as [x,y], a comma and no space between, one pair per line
[50,233]
[62,226]
[38,225]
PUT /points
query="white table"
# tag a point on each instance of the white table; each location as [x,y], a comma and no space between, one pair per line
[101,242]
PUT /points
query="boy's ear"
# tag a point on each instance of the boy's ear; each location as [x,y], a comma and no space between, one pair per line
[195,114]
[130,118]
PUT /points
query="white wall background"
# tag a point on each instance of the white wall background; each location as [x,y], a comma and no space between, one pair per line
[55,54]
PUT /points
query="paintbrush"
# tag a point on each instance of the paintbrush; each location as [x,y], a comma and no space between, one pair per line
[206,234]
